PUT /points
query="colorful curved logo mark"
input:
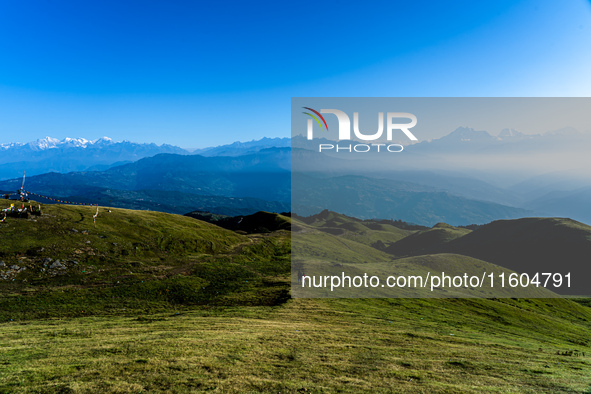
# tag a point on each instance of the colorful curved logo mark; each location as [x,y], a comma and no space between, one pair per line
[315,118]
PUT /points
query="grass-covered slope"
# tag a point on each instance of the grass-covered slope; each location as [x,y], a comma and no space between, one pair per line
[368,232]
[336,239]
[68,231]
[60,263]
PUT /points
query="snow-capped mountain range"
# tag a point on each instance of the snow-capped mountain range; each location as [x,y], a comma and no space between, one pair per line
[53,143]
[73,154]
[80,154]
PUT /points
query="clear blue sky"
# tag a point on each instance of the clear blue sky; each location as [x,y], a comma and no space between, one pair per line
[196,73]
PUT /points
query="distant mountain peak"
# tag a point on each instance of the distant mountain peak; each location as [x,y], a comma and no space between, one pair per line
[49,140]
[512,135]
[44,143]
[468,134]
[505,133]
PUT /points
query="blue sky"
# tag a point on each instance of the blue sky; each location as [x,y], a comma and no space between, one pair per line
[197,74]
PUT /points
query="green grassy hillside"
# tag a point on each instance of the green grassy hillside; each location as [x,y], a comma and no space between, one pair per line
[368,232]
[60,264]
[150,302]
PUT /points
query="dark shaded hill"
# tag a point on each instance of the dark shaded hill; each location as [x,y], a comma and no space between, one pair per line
[531,245]
[425,241]
[259,222]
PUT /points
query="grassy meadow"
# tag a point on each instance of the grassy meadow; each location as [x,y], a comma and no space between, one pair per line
[304,346]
